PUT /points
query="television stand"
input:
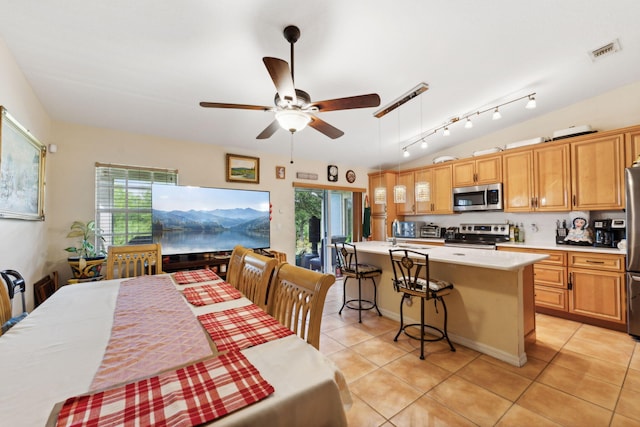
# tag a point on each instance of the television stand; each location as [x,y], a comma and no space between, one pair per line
[217,262]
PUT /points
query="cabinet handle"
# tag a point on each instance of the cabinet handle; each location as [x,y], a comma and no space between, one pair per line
[570,283]
[592,261]
[573,199]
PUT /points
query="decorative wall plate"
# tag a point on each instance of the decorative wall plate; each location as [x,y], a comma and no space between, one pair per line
[351,176]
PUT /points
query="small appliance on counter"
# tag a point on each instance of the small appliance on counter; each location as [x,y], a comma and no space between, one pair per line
[407,229]
[608,232]
[431,231]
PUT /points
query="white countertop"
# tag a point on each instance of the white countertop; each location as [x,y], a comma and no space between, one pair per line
[497,260]
[549,246]
[571,248]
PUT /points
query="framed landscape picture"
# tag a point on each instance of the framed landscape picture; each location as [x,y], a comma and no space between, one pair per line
[21,171]
[243,169]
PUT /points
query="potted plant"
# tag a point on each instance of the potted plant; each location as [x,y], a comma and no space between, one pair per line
[87,261]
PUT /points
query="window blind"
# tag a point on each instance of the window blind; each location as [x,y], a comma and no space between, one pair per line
[123,201]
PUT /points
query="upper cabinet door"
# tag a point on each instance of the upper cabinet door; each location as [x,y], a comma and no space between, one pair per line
[441,190]
[551,178]
[486,170]
[424,175]
[518,186]
[464,173]
[597,173]
[408,207]
[633,146]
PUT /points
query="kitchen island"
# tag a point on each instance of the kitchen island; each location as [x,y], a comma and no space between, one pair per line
[491,308]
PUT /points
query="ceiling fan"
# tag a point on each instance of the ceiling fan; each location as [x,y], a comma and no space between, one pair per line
[294,109]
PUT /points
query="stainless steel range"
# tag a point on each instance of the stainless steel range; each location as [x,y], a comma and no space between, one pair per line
[479,236]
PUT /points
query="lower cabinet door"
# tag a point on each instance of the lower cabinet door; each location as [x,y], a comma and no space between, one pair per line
[551,297]
[597,294]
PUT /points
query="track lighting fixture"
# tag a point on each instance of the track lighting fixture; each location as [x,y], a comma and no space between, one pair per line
[468,124]
[424,144]
[531,103]
[406,153]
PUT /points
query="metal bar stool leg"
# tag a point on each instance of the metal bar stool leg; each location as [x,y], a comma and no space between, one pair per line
[344,294]
[401,316]
[359,299]
[446,334]
[422,328]
[375,296]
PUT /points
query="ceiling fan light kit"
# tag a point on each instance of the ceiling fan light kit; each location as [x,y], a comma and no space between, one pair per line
[293,108]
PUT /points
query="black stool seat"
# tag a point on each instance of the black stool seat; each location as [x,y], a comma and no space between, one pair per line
[347,261]
[411,278]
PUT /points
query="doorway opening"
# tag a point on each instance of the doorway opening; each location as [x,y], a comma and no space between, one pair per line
[323,217]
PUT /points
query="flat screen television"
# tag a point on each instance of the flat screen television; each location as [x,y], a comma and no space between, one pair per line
[191,220]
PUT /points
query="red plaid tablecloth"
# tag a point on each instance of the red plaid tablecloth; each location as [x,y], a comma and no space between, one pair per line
[211,294]
[187,396]
[242,327]
[195,276]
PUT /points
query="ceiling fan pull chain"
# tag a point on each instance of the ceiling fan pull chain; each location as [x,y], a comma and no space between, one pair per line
[291,161]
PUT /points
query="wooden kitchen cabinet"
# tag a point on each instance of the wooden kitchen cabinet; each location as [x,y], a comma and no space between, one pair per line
[440,184]
[537,179]
[408,208]
[597,172]
[597,286]
[485,170]
[632,143]
[382,215]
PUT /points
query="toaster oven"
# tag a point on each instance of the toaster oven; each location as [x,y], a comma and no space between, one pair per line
[431,231]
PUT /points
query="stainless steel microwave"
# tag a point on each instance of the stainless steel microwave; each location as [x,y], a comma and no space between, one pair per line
[478,198]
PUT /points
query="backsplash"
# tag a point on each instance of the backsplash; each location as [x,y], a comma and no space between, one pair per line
[540,228]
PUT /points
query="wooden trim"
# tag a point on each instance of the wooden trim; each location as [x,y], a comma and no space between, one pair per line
[329,187]
[129,167]
[358,210]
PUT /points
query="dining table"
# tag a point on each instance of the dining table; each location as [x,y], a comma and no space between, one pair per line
[90,347]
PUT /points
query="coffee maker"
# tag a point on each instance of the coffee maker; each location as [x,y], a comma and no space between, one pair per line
[608,232]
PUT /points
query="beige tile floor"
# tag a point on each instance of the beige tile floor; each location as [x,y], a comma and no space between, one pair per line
[577,375]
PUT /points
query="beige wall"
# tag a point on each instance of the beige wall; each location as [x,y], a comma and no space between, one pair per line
[23,243]
[79,148]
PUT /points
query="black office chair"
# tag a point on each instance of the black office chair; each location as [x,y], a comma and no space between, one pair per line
[411,277]
[347,262]
[13,280]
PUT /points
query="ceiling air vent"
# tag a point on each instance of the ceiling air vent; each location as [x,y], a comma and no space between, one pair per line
[606,50]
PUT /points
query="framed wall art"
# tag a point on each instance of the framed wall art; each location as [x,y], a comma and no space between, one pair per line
[21,171]
[280,172]
[243,169]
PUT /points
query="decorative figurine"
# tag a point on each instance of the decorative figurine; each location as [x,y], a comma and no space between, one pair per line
[579,232]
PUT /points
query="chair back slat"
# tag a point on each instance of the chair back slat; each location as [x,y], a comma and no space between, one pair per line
[296,299]
[134,260]
[235,264]
[255,276]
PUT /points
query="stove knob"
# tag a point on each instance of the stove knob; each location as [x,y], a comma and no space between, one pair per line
[464,227]
[495,228]
[503,228]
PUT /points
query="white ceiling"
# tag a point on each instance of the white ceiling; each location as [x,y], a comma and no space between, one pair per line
[144,65]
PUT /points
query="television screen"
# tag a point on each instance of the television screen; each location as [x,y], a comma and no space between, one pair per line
[190,220]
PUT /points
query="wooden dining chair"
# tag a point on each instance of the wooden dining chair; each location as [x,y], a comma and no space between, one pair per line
[280,256]
[255,276]
[296,299]
[235,264]
[134,260]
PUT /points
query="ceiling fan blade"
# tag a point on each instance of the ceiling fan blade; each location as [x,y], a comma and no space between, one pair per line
[236,106]
[361,101]
[325,128]
[269,130]
[281,76]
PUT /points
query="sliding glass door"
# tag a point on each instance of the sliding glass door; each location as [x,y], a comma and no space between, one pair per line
[323,217]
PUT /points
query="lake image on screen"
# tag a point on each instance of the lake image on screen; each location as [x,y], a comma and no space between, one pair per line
[199,219]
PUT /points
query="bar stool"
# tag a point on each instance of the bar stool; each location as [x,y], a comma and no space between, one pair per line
[411,277]
[347,260]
